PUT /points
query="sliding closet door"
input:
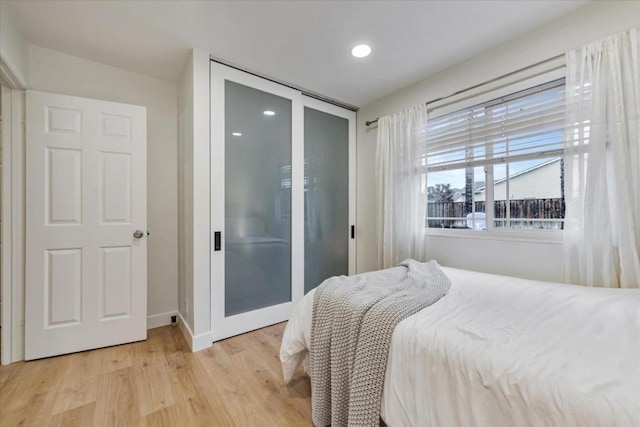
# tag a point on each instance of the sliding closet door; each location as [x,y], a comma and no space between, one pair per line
[329,192]
[256,206]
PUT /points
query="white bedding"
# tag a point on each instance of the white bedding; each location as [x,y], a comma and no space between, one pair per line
[501,351]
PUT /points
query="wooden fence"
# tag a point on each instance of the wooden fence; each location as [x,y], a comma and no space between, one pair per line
[524,213]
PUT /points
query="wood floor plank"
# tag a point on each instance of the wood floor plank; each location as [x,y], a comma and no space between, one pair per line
[159,382]
[77,387]
[26,397]
[5,372]
[80,416]
[151,371]
[116,402]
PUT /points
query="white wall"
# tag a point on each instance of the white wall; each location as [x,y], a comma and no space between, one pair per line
[13,48]
[538,260]
[53,71]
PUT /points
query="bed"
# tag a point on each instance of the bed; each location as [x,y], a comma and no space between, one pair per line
[502,351]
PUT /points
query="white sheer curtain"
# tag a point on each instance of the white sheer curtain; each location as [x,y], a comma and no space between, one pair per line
[401,192]
[602,163]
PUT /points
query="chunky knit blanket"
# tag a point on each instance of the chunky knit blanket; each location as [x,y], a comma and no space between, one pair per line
[351,332]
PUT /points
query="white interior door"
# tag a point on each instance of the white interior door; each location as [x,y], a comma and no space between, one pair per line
[257,254]
[86,249]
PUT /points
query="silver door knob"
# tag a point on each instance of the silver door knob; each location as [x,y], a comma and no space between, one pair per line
[138,234]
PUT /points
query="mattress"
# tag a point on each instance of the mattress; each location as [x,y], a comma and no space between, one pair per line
[503,351]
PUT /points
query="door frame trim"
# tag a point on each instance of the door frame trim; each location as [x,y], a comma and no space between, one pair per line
[13,226]
[12,289]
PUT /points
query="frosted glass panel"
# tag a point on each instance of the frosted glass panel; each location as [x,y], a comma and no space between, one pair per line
[326,197]
[257,199]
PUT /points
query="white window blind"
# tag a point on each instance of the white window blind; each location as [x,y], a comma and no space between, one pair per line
[524,125]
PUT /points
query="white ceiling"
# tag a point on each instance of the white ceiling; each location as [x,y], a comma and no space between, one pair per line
[305,43]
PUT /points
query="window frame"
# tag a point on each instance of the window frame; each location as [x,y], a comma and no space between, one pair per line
[492,232]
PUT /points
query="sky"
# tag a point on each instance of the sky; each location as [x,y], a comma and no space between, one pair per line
[456,178]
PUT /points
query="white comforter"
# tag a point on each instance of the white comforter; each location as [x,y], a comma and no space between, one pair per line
[500,351]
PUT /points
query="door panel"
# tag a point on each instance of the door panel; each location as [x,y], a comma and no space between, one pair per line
[257,199]
[63,278]
[115,188]
[329,185]
[63,180]
[256,202]
[86,275]
[326,177]
[115,282]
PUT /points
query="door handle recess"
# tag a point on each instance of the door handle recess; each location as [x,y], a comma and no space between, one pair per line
[138,234]
[217,240]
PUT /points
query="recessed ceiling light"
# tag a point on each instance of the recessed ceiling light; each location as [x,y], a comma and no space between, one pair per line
[361,51]
[269,113]
[236,134]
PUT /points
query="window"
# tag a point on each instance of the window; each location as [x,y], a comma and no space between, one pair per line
[499,165]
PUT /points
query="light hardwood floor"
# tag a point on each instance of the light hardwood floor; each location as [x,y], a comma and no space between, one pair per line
[159,382]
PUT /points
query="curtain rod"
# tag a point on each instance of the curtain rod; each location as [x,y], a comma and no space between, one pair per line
[519,70]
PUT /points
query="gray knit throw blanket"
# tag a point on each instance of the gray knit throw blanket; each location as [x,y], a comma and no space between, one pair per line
[351,332]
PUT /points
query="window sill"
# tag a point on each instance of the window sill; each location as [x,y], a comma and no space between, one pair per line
[537,236]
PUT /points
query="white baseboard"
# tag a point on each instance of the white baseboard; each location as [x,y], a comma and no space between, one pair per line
[197,342]
[202,341]
[184,328]
[158,320]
